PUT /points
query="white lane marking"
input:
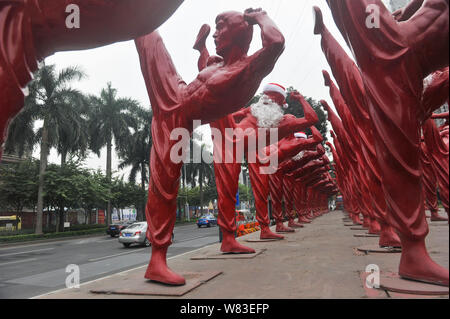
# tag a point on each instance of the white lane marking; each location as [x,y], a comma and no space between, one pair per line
[18,261]
[26,252]
[111,256]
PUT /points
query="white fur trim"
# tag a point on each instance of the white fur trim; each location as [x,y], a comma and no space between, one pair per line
[271,87]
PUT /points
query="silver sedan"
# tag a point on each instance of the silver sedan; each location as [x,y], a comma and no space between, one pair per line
[134,234]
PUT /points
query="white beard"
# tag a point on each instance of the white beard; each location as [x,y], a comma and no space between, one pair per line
[268,113]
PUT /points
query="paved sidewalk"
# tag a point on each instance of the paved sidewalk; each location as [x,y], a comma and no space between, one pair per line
[318,261]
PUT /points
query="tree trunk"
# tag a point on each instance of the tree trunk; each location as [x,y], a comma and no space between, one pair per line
[108,177]
[42,168]
[141,213]
[63,158]
[61,219]
[201,192]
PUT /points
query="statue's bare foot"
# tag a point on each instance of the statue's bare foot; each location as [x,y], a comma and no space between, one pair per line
[266,233]
[435,217]
[158,270]
[283,229]
[231,246]
[293,224]
[318,20]
[388,237]
[416,264]
[326,77]
[374,227]
[304,220]
[200,42]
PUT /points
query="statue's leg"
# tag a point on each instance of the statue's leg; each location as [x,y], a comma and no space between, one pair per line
[276,195]
[102,22]
[161,215]
[227,183]
[439,156]
[260,186]
[384,53]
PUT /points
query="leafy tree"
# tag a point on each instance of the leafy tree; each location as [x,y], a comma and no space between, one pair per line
[18,185]
[52,100]
[110,123]
[137,154]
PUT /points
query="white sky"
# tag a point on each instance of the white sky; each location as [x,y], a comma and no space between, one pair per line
[300,65]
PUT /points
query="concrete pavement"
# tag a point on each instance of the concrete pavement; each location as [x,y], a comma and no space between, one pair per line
[318,261]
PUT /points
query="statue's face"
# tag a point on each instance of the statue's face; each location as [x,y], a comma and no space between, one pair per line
[231,30]
[223,37]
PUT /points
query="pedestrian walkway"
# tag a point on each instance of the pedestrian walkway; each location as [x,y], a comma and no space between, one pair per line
[318,261]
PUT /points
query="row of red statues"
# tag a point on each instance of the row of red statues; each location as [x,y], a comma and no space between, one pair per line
[384,169]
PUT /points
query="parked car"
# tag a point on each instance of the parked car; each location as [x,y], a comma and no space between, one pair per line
[135,234]
[207,220]
[114,229]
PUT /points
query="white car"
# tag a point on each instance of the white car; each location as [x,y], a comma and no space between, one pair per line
[134,234]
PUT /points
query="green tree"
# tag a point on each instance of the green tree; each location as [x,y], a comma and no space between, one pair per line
[137,154]
[18,185]
[110,123]
[58,106]
[201,173]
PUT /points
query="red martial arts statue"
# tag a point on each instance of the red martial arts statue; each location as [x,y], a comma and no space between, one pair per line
[290,187]
[351,86]
[31,30]
[394,58]
[287,148]
[266,113]
[220,89]
[429,184]
[257,116]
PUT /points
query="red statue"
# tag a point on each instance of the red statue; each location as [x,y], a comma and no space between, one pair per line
[266,113]
[394,58]
[287,148]
[31,30]
[438,153]
[260,116]
[353,92]
[219,89]
[429,184]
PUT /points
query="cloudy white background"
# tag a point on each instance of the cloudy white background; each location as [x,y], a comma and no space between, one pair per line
[300,65]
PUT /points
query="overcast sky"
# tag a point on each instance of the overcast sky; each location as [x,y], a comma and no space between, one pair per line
[300,65]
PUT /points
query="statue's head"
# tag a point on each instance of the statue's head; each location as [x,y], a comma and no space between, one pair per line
[232,31]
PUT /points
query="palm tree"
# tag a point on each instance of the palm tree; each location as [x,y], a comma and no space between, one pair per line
[137,154]
[52,100]
[201,172]
[110,122]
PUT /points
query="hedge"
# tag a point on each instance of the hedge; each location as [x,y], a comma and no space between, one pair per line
[31,237]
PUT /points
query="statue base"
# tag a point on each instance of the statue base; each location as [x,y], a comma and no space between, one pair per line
[366,235]
[358,228]
[259,240]
[220,255]
[136,285]
[394,283]
[380,250]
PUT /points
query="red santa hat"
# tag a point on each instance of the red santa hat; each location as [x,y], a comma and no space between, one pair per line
[274,87]
[301,135]
[279,89]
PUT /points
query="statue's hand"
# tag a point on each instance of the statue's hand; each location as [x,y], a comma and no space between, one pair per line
[398,14]
[296,96]
[251,15]
[200,42]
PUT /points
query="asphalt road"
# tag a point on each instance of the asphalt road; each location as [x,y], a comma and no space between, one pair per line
[30,270]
